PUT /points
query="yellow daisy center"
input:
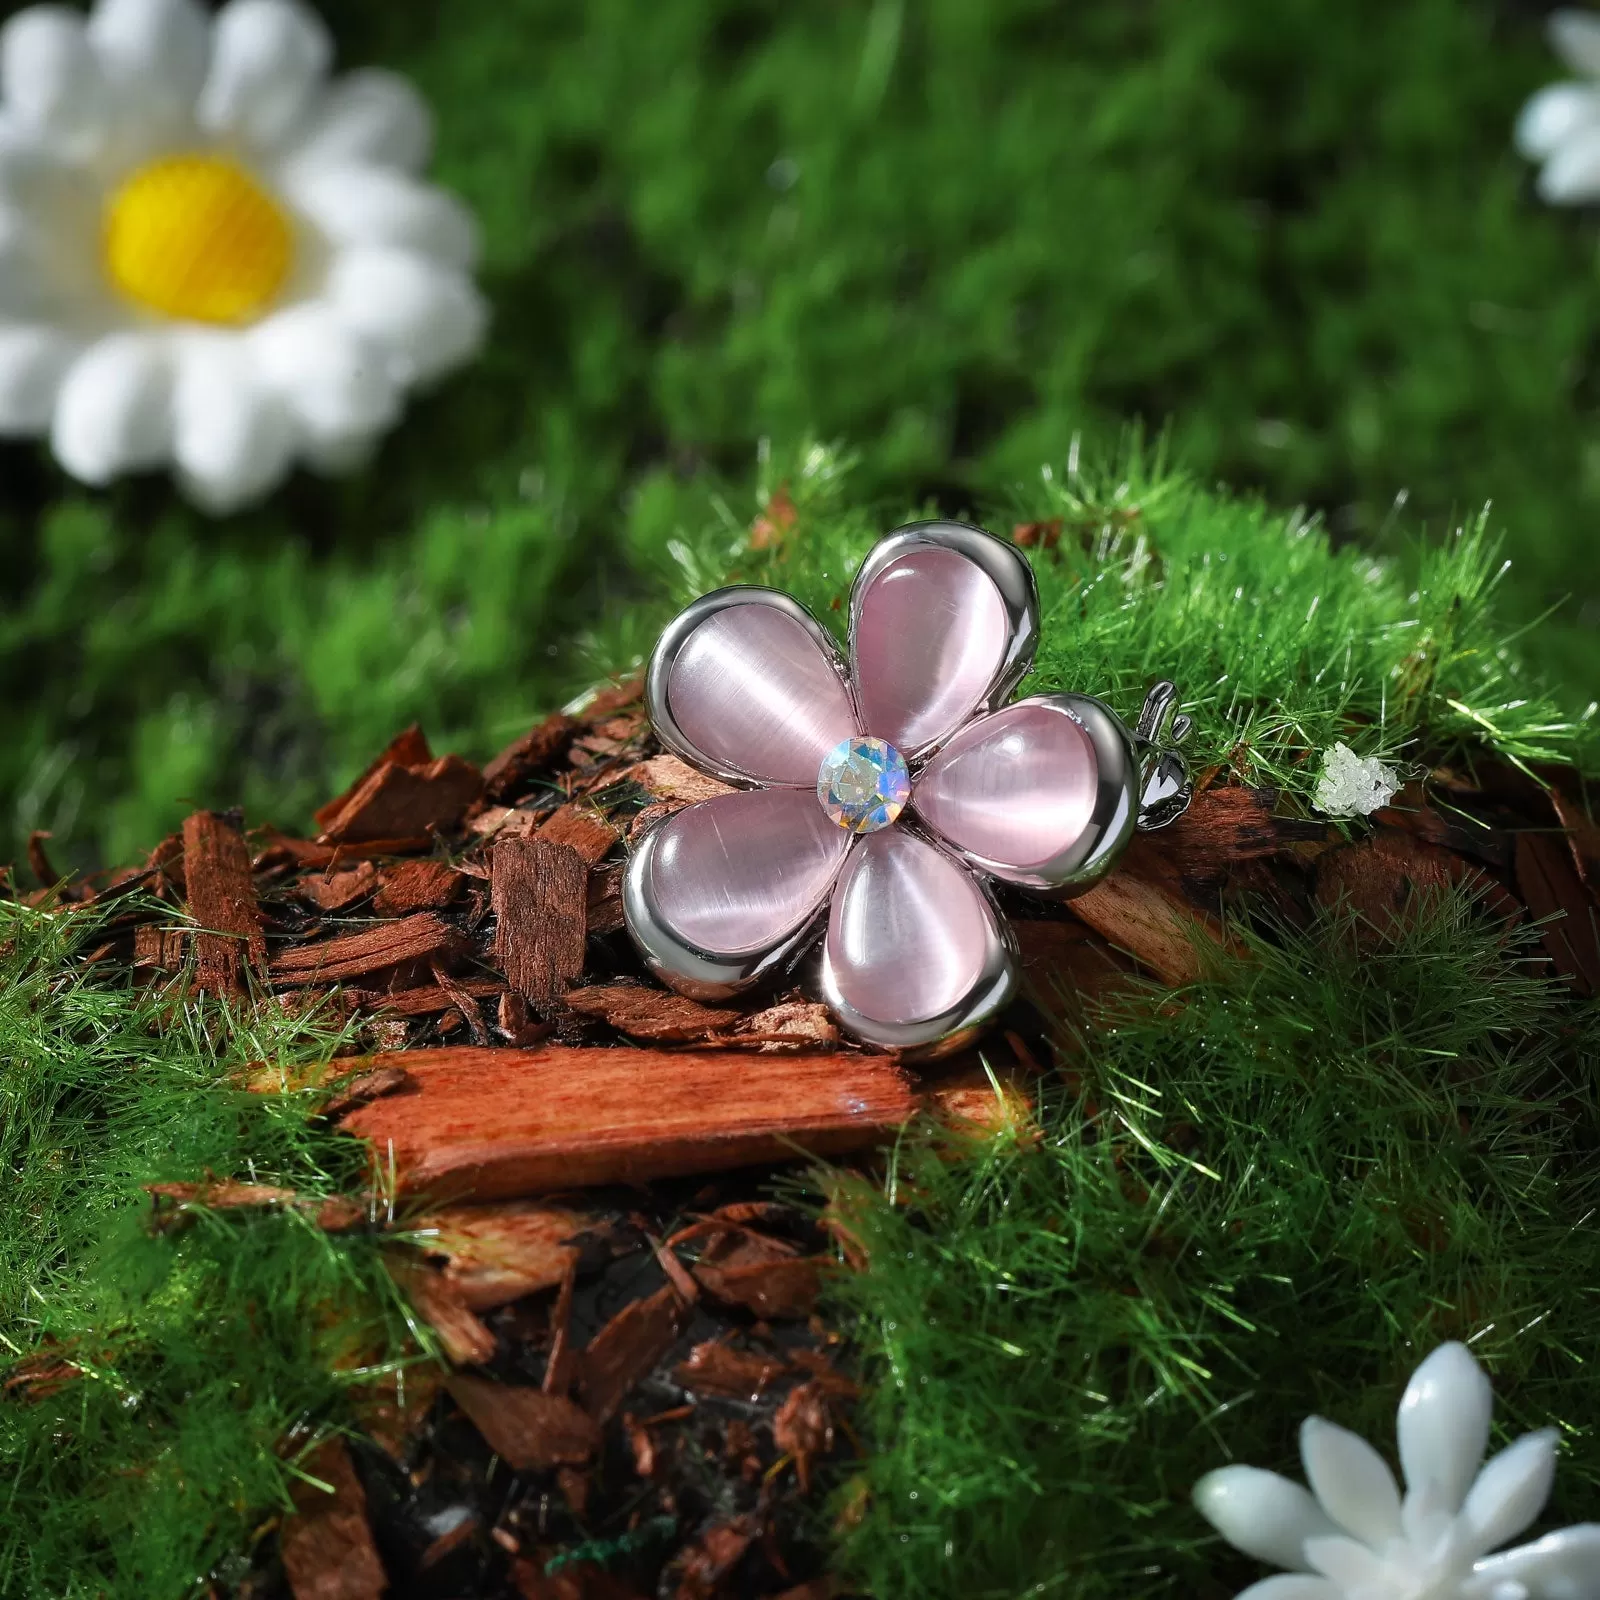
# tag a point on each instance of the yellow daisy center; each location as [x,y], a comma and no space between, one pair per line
[196,237]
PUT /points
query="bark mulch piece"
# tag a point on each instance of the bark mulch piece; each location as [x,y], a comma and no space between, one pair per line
[327,1547]
[417,886]
[540,898]
[486,1124]
[654,1014]
[358,955]
[529,1428]
[222,900]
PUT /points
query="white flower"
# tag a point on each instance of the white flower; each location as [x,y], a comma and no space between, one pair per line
[1560,125]
[210,253]
[1357,1540]
[1351,786]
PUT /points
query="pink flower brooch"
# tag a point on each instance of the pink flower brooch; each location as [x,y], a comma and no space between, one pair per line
[881,796]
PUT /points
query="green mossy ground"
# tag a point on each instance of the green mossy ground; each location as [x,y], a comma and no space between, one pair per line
[1268,1198]
[955,234]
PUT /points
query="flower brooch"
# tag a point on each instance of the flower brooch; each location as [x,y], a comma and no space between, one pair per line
[1352,1537]
[878,798]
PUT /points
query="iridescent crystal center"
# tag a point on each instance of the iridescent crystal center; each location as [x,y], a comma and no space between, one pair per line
[863,784]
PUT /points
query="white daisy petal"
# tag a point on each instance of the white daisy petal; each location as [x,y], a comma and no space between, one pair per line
[368,117]
[232,438]
[1561,1566]
[368,205]
[1510,1491]
[1444,1424]
[114,412]
[1571,177]
[336,385]
[159,47]
[1351,1480]
[48,74]
[1264,1515]
[1575,37]
[428,318]
[1291,1586]
[268,57]
[1554,115]
[33,361]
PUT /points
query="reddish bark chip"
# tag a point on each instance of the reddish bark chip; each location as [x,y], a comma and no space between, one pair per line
[326,1546]
[374,949]
[333,891]
[652,1014]
[584,829]
[497,1253]
[803,1427]
[442,1305]
[406,802]
[706,1565]
[771,1289]
[540,894]
[222,900]
[532,1430]
[409,748]
[627,1348]
[1549,882]
[416,886]
[537,749]
[156,948]
[714,1367]
[496,1124]
[429,999]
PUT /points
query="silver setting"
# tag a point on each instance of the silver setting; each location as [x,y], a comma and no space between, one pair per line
[702,974]
[1004,565]
[1165,787]
[951,1030]
[676,635]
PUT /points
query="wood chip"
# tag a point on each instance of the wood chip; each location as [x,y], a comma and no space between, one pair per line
[441,1305]
[429,999]
[406,802]
[1065,961]
[667,779]
[627,1349]
[1140,910]
[495,1254]
[416,886]
[540,897]
[605,900]
[654,1014]
[408,748]
[39,861]
[715,1367]
[222,900]
[533,1431]
[1583,838]
[790,1025]
[1381,877]
[490,1124]
[374,949]
[158,949]
[1228,824]
[326,1546]
[1549,883]
[771,1289]
[584,829]
[523,758]
[704,1568]
[333,891]
[803,1428]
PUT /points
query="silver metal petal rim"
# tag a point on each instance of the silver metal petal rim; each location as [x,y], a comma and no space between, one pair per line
[677,634]
[991,992]
[690,970]
[1111,820]
[1003,564]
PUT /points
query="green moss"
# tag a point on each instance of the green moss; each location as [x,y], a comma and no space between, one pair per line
[195,1353]
[1266,1196]
[956,234]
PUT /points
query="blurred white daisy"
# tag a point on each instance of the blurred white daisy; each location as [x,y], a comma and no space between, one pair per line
[1354,1538]
[210,253]
[1560,125]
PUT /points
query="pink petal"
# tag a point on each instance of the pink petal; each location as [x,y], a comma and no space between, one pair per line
[755,695]
[1015,788]
[911,937]
[740,873]
[929,637]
